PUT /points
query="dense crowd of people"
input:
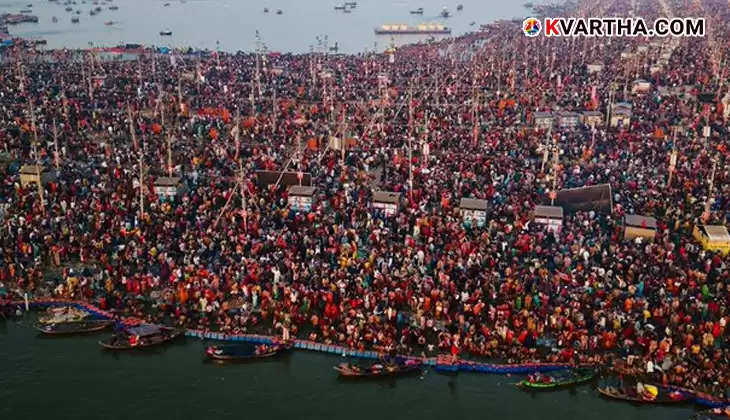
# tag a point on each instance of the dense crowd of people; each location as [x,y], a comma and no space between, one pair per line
[437,122]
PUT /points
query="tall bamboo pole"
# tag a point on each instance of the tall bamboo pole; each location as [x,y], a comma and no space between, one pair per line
[708,203]
[37,157]
[55,144]
[555,171]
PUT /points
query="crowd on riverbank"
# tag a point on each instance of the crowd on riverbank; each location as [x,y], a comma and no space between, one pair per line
[422,280]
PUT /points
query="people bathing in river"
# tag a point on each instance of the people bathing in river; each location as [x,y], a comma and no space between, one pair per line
[420,281]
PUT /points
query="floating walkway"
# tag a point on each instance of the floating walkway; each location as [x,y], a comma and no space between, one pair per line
[441,364]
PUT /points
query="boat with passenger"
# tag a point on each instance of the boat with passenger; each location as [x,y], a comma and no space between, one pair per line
[713,414]
[573,377]
[379,369]
[645,394]
[246,351]
[140,336]
[74,327]
[418,11]
[58,314]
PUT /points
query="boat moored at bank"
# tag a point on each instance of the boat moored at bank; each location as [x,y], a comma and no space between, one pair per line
[140,336]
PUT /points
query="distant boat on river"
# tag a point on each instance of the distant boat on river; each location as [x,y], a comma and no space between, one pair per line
[400,29]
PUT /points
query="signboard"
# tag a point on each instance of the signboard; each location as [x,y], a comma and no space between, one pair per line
[300,197]
[300,203]
[386,201]
[594,68]
[266,178]
[478,216]
[706,97]
[388,208]
[552,225]
[166,191]
[569,119]
[595,197]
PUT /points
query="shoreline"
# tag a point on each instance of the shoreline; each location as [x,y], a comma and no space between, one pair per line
[439,363]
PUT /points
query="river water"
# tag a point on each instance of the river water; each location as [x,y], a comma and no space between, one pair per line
[200,23]
[73,378]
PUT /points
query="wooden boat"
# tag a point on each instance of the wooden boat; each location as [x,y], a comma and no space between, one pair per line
[246,352]
[418,11]
[341,7]
[713,414]
[141,336]
[113,7]
[460,7]
[109,23]
[62,314]
[266,10]
[379,370]
[54,19]
[445,13]
[71,328]
[279,12]
[74,20]
[352,4]
[545,382]
[664,396]
[8,311]
[165,33]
